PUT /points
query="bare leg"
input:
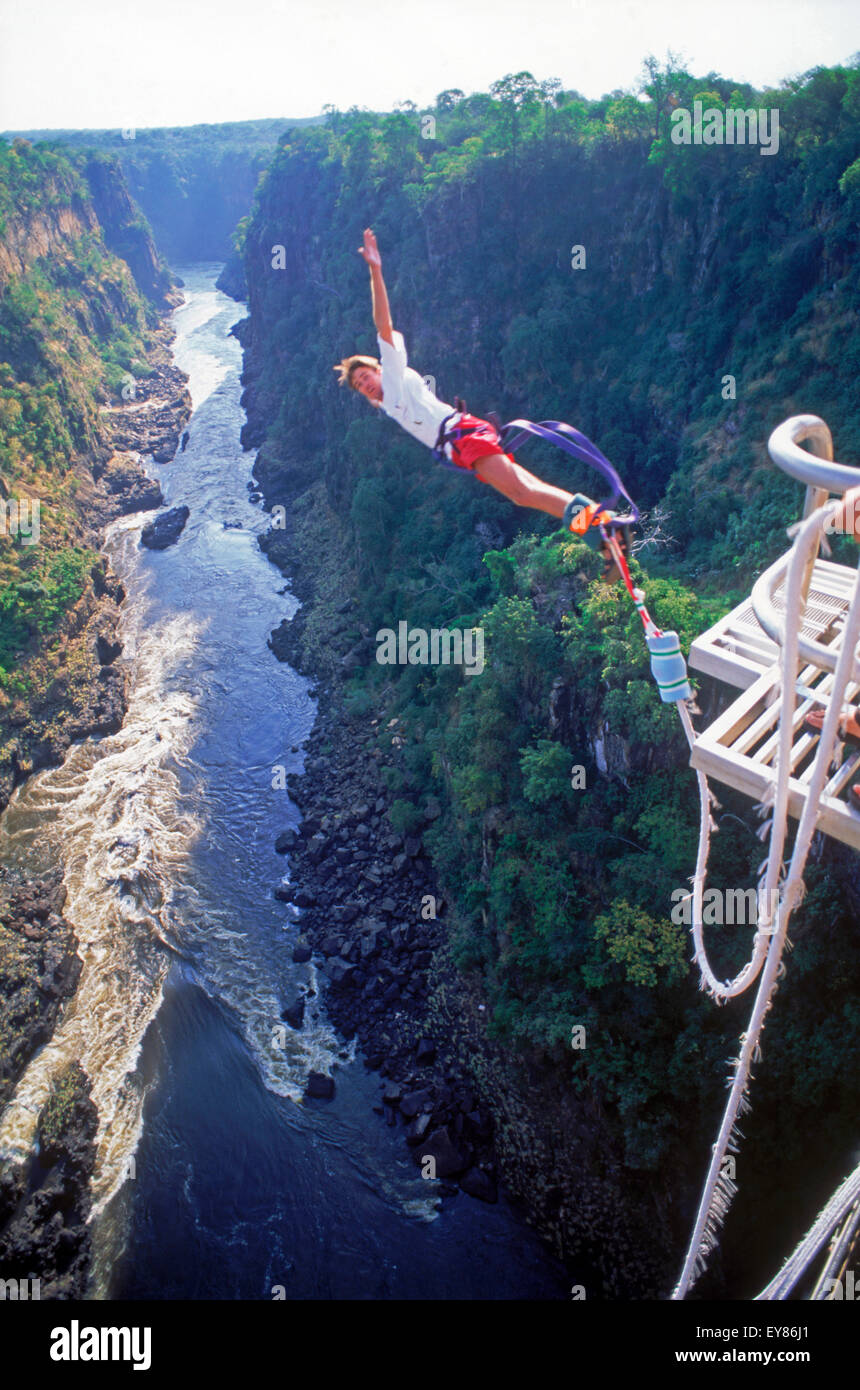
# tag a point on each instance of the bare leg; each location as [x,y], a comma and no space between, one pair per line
[522,487]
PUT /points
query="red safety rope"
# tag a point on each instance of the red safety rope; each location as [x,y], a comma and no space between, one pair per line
[651,628]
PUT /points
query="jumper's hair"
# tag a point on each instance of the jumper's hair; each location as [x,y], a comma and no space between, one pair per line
[347,368]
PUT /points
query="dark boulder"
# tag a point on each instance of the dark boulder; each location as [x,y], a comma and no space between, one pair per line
[128,483]
[418,1128]
[294,1014]
[340,972]
[369,942]
[165,530]
[415,1102]
[107,650]
[479,1184]
[316,848]
[319,1087]
[479,1125]
[287,840]
[441,1147]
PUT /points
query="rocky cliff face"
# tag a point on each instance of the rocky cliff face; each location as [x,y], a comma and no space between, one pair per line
[73,312]
[39,969]
[79,693]
[125,231]
[43,1204]
[232,278]
[31,237]
[76,687]
[99,204]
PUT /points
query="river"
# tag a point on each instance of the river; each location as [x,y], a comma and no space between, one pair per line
[213,1179]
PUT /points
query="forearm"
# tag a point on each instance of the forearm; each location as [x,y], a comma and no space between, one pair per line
[381,308]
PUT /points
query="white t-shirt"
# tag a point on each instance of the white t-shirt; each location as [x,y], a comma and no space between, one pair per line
[406,397]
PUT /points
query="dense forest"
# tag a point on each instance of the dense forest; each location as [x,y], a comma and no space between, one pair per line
[554,257]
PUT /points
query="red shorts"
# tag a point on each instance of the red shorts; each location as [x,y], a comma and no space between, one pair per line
[481,443]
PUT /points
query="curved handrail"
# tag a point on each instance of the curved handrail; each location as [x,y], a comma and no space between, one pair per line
[819,472]
[816,469]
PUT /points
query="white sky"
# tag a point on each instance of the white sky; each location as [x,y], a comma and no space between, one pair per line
[111,63]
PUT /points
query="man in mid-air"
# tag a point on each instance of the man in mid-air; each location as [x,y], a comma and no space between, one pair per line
[460,440]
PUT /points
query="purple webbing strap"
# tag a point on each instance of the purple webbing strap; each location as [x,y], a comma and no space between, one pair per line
[580,446]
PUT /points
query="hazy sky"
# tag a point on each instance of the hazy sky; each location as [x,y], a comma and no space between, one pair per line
[109,63]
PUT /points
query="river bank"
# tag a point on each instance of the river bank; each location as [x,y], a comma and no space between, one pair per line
[74,690]
[43,1207]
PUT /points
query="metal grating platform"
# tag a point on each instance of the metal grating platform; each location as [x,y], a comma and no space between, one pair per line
[736,649]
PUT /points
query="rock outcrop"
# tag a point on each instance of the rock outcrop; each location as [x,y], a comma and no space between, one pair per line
[165,530]
[125,231]
[44,1206]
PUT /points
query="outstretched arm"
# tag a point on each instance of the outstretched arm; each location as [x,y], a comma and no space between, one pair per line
[378,292]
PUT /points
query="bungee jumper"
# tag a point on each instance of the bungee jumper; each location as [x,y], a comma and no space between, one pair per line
[482,447]
[465,442]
